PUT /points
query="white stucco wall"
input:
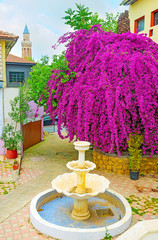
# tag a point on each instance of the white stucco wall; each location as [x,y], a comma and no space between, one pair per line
[9,94]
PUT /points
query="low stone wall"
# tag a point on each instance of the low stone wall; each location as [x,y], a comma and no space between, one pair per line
[119,165]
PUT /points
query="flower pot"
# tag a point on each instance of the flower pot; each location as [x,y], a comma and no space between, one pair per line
[134,175]
[15,166]
[11,154]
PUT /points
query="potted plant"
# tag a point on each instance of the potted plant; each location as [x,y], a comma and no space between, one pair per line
[11,137]
[135,154]
[15,165]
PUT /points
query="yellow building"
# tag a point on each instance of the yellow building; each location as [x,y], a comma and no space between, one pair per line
[7,41]
[143,15]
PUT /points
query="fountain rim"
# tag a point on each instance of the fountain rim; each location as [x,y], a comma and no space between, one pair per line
[79,143]
[68,165]
[113,229]
[83,195]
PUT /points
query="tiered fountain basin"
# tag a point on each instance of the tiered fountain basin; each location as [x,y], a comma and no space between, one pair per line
[50,213]
[80,205]
[80,187]
[67,184]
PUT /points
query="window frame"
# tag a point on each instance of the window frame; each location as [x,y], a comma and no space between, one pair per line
[150,32]
[136,24]
[153,18]
[16,77]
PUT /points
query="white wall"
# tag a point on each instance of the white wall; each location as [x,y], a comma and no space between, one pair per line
[9,94]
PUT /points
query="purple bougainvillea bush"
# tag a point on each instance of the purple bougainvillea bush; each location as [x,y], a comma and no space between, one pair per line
[114,92]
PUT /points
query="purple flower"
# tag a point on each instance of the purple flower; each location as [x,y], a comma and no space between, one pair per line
[35,115]
[114,93]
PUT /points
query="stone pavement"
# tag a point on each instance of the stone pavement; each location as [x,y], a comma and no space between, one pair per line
[11,183]
[49,159]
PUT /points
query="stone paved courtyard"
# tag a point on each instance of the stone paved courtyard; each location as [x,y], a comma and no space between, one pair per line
[26,175]
[45,161]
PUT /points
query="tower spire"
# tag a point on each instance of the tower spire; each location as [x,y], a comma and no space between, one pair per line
[26,31]
[26,44]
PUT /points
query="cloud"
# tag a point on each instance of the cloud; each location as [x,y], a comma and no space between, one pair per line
[44,20]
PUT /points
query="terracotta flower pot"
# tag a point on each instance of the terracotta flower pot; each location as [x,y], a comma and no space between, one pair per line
[11,154]
[15,166]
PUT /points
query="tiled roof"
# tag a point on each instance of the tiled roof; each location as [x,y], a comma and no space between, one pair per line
[10,40]
[15,59]
[128,2]
[8,36]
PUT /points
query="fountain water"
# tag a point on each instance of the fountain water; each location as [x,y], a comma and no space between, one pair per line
[73,216]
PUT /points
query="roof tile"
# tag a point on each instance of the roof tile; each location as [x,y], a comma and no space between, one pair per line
[15,59]
[7,35]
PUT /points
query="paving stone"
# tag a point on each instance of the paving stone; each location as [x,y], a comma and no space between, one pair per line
[8,230]
[8,234]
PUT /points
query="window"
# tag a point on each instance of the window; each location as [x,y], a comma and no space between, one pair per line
[150,32]
[139,24]
[16,77]
[154,18]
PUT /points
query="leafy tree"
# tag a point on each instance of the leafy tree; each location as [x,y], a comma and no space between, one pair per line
[40,74]
[30,59]
[110,22]
[19,107]
[36,83]
[82,18]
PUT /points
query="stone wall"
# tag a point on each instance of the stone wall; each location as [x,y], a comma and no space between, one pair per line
[119,165]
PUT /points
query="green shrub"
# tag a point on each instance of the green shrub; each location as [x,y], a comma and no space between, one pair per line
[135,151]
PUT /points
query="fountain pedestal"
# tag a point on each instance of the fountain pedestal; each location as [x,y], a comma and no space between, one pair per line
[80,182]
[80,209]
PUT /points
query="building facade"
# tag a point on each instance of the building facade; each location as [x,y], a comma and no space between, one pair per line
[143,15]
[7,41]
[17,70]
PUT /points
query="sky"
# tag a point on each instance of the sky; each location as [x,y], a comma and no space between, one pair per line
[44,21]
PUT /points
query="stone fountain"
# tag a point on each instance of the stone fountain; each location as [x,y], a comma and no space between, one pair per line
[80,204]
[80,185]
